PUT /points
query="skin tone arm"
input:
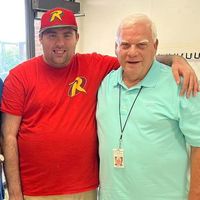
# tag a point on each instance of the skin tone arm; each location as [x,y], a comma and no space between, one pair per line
[190,81]
[2,158]
[194,193]
[9,129]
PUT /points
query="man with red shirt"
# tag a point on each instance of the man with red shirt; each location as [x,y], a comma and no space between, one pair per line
[49,127]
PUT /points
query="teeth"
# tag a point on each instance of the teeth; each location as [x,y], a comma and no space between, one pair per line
[59,51]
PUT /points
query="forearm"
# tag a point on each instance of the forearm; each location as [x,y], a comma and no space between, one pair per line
[194,193]
[165,59]
[171,59]
[11,167]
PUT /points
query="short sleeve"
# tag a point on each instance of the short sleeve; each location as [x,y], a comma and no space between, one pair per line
[189,122]
[13,94]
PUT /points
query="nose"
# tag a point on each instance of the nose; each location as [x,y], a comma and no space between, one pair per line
[132,51]
[59,41]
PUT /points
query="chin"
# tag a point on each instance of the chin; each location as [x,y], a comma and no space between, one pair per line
[61,61]
[136,65]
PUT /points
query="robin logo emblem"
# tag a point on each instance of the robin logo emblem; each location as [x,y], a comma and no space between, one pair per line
[56,14]
[77,86]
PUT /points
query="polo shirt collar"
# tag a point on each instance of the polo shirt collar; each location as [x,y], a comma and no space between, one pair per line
[150,79]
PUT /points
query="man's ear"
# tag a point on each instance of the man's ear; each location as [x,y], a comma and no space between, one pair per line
[156,44]
[40,37]
[116,49]
[77,37]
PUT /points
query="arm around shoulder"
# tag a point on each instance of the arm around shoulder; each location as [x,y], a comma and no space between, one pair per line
[181,68]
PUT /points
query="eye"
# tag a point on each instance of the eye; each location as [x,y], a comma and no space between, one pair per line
[125,45]
[142,45]
[67,35]
[51,35]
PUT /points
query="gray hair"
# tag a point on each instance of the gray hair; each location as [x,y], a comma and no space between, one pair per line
[136,18]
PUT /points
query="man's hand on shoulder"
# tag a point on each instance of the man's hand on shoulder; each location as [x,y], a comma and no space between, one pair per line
[181,68]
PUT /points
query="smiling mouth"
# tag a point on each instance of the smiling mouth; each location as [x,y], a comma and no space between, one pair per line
[133,62]
[59,51]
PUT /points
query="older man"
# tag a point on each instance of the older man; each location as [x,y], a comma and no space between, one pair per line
[145,128]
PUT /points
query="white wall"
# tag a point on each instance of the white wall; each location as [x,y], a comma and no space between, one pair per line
[177,22]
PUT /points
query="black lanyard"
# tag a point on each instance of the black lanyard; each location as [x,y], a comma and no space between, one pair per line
[123,127]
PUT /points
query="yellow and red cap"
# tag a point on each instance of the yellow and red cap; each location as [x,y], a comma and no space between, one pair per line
[58,18]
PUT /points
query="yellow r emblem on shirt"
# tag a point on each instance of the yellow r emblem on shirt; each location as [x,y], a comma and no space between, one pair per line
[77,86]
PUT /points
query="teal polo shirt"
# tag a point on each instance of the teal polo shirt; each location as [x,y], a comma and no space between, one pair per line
[155,140]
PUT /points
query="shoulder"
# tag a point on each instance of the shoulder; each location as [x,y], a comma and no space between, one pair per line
[27,65]
[161,79]
[24,72]
[100,65]
[165,73]
[112,78]
[96,57]
[163,68]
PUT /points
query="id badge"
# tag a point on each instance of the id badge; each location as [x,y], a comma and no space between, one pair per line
[118,158]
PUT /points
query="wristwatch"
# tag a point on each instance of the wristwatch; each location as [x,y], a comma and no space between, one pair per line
[1,158]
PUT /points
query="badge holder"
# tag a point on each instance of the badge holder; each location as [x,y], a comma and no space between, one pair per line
[118,158]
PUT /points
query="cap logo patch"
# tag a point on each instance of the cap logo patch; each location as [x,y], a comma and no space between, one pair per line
[57,14]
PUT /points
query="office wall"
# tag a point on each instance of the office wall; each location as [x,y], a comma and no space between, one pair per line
[177,23]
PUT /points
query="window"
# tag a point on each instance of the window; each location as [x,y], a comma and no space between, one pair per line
[12,35]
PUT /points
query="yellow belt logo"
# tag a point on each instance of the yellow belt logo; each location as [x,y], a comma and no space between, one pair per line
[77,86]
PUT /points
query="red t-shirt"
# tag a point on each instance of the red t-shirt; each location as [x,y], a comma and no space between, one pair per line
[57,138]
